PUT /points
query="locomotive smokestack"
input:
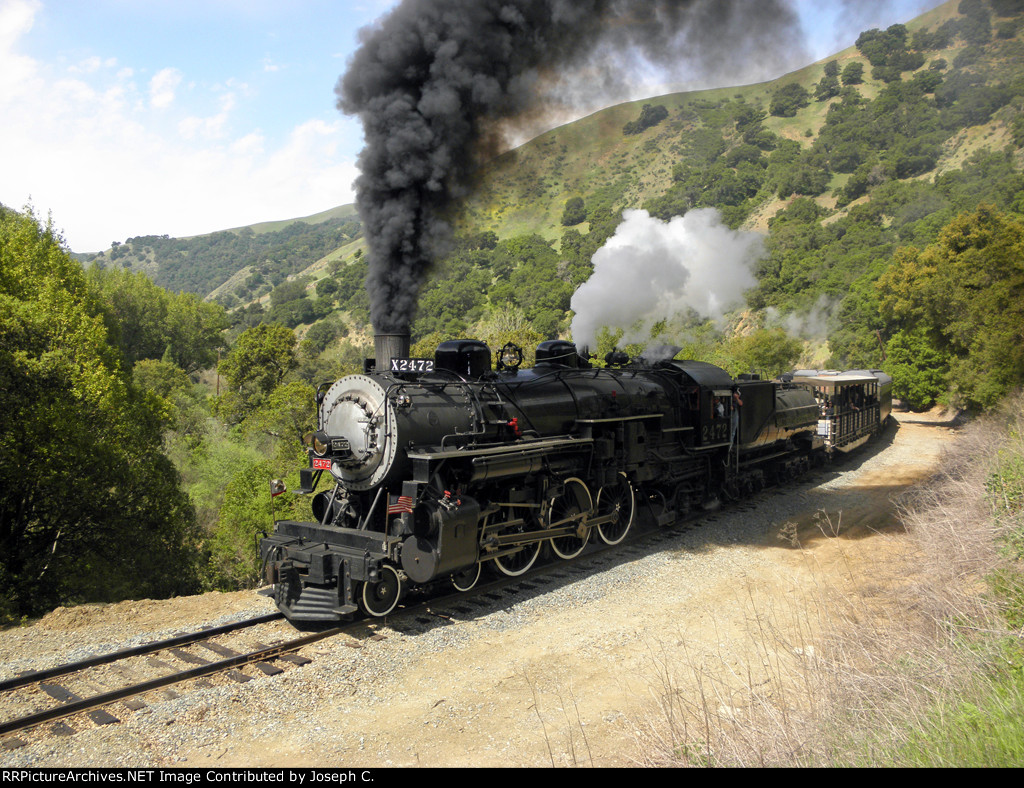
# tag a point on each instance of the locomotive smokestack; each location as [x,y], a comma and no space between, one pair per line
[389,346]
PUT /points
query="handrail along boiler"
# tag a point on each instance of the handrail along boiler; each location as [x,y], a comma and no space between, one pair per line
[439,467]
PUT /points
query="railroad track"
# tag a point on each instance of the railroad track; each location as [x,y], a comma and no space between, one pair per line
[51,701]
[64,699]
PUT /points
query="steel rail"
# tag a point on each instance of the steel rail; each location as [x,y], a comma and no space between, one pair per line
[86,704]
[145,648]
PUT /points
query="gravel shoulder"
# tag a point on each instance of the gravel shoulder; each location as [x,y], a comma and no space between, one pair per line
[562,677]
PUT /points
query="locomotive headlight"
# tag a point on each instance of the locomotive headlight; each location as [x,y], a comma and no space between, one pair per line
[321,443]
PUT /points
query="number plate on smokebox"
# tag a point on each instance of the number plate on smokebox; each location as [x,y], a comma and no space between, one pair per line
[412,365]
[321,464]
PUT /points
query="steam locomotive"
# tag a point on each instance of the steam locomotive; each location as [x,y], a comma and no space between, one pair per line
[439,468]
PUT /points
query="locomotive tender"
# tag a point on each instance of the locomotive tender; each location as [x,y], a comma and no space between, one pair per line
[438,467]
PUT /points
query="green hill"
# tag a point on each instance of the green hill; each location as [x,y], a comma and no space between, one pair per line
[343,212]
[839,164]
[253,259]
[525,190]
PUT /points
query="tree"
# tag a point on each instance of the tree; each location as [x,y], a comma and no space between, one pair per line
[149,322]
[169,384]
[770,351]
[649,116]
[351,293]
[287,414]
[919,370]
[530,276]
[248,509]
[575,212]
[788,100]
[853,74]
[453,299]
[90,508]
[827,88]
[326,287]
[194,331]
[1007,7]
[288,291]
[257,364]
[879,47]
[977,27]
[508,323]
[965,293]
[323,333]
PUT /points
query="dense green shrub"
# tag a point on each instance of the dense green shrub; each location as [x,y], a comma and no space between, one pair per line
[649,116]
[788,100]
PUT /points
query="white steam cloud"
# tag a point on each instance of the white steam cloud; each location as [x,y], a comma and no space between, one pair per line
[813,324]
[651,270]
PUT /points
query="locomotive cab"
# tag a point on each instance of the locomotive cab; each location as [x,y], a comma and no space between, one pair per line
[713,388]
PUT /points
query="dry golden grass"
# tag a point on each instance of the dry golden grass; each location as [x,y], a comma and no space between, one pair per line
[896,650]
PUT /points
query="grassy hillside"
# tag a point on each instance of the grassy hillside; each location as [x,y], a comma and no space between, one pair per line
[959,97]
[253,259]
[340,212]
[525,190]
[839,164]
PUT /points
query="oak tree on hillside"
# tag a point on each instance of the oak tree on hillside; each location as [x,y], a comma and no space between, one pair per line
[90,508]
[965,293]
[257,364]
[788,100]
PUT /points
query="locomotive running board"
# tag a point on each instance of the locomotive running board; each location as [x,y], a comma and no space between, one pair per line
[510,449]
[616,419]
[764,458]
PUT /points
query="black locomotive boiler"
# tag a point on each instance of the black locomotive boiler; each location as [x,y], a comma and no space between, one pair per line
[438,468]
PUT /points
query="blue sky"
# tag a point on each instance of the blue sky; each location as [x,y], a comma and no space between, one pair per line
[137,117]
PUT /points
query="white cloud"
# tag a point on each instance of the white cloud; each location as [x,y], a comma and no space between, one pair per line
[16,19]
[249,145]
[111,156]
[162,87]
[17,72]
[88,66]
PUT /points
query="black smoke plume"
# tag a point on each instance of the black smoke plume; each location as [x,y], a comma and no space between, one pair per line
[437,82]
